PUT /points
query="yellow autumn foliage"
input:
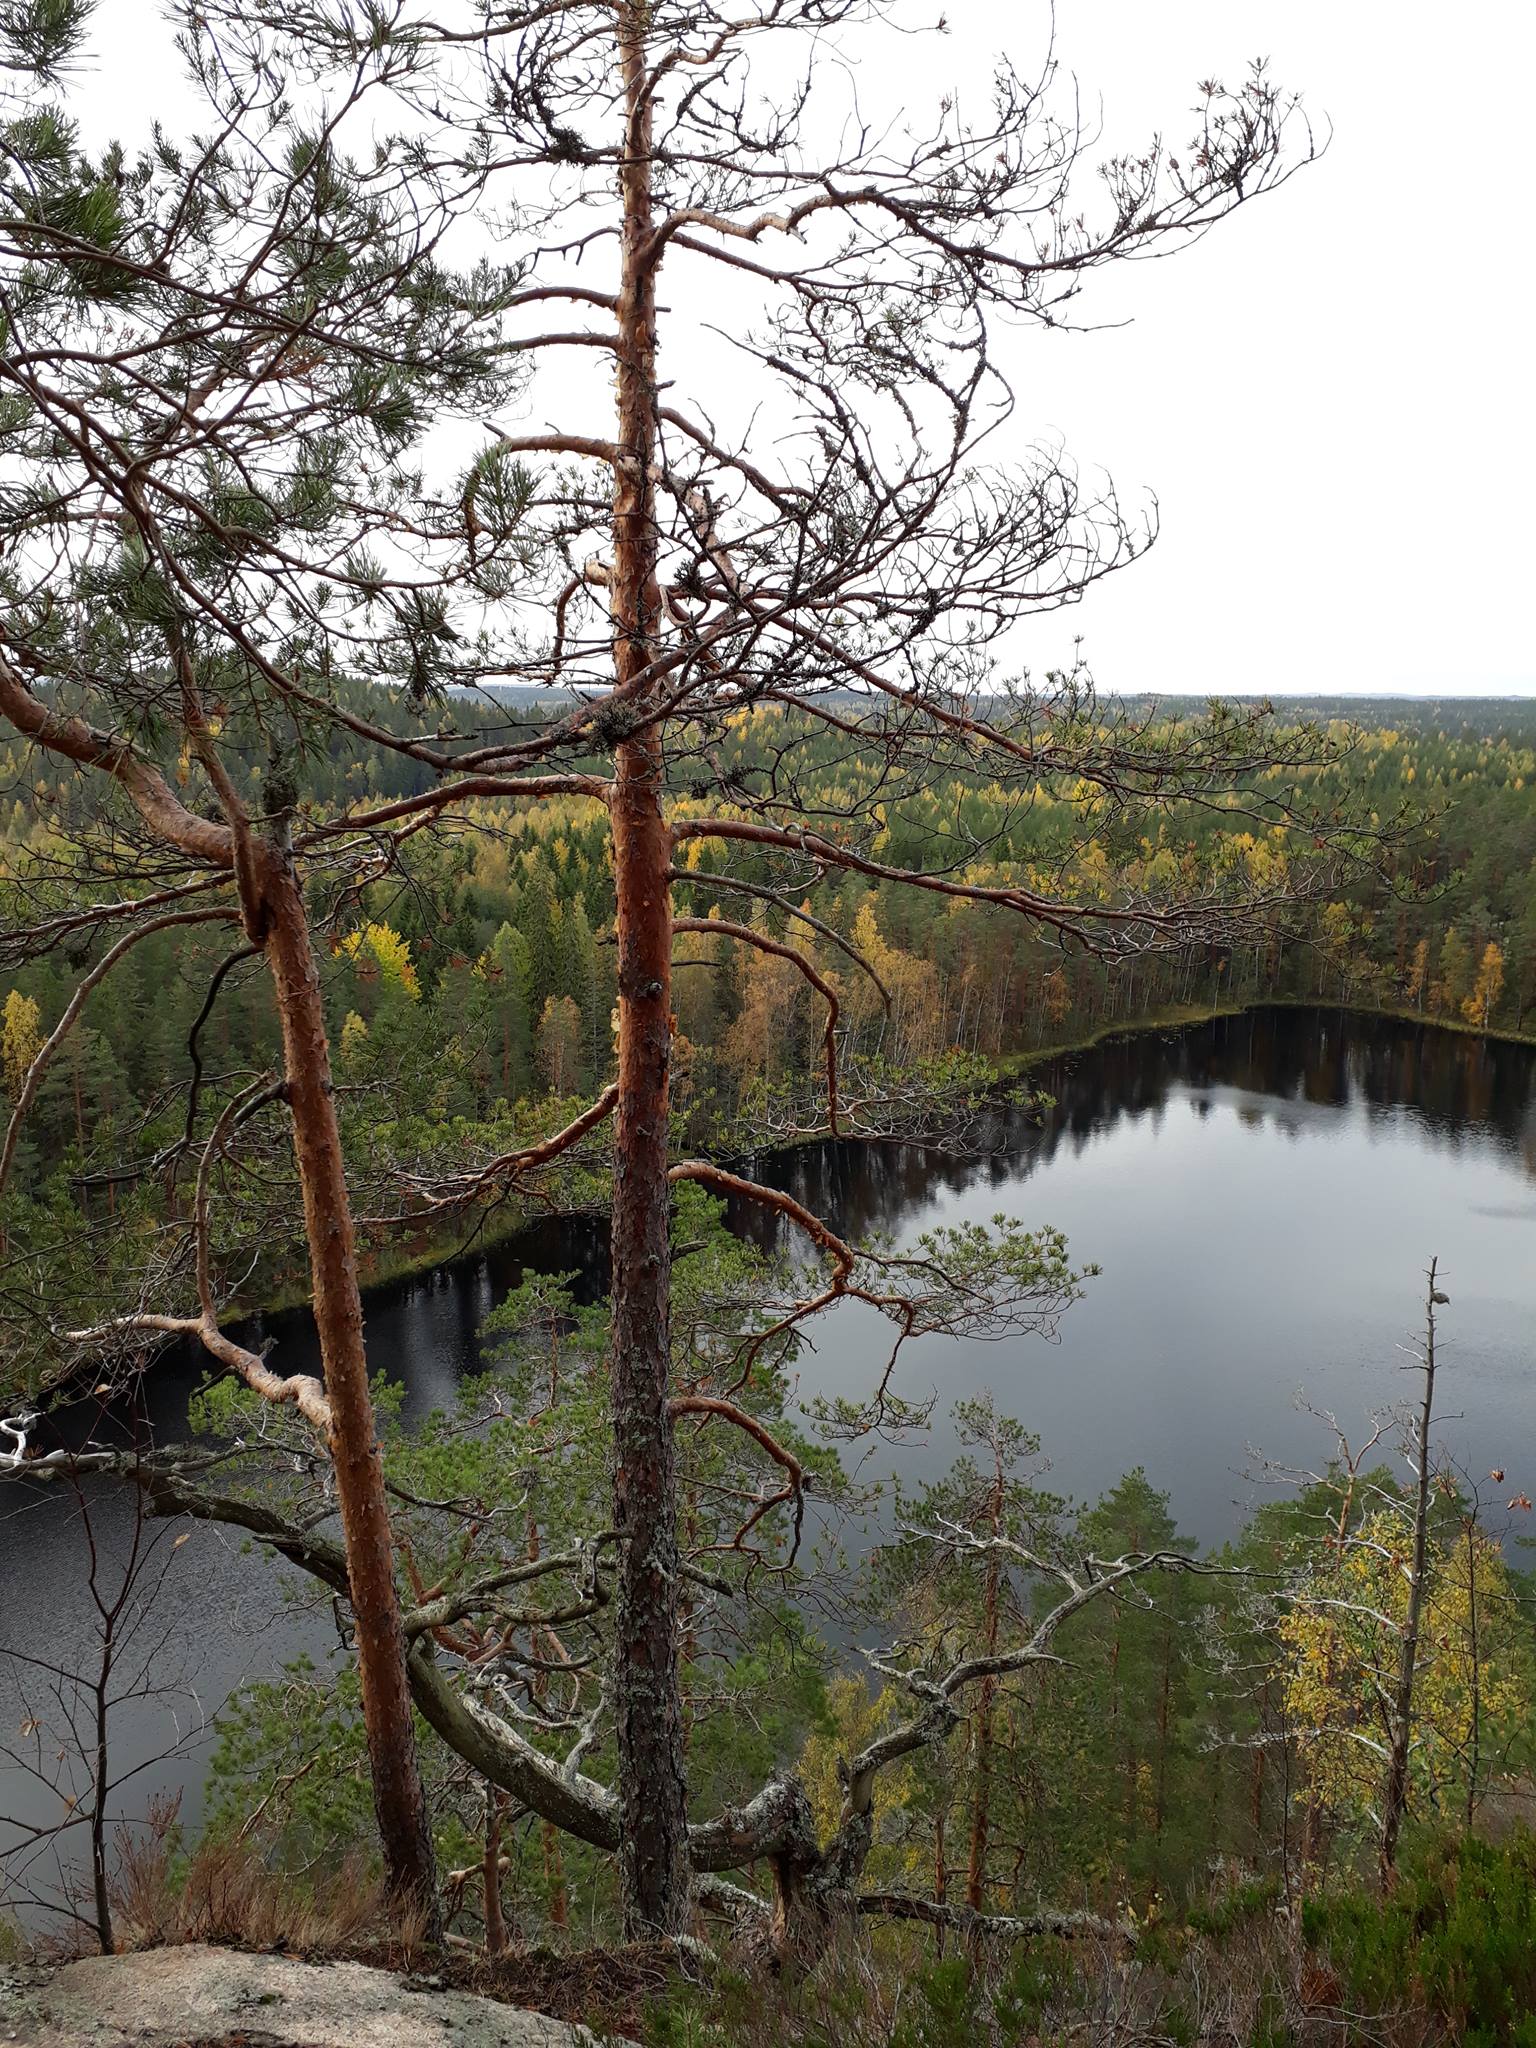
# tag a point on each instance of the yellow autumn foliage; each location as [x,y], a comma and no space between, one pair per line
[390,952]
[1344,1641]
[857,1716]
[21,1038]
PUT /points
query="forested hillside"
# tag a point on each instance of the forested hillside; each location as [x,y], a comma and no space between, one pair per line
[475,981]
[443,788]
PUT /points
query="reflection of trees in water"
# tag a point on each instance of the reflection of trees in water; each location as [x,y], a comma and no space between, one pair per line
[1282,1065]
[442,1310]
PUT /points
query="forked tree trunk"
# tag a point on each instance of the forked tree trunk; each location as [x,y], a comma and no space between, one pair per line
[354,1443]
[652,1794]
[102,1699]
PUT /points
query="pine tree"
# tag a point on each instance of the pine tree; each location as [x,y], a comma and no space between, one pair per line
[508,968]
[559,1044]
[207,548]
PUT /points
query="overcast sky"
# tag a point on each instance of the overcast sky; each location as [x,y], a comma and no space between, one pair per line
[1331,396]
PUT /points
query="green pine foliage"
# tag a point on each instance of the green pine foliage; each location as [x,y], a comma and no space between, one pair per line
[1458,1936]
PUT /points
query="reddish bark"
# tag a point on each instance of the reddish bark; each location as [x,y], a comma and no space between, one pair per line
[354,1444]
[272,902]
[652,1793]
[490,1875]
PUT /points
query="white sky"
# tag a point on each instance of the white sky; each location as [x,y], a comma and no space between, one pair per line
[1331,397]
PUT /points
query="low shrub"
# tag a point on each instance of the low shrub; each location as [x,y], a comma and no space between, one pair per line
[1457,1936]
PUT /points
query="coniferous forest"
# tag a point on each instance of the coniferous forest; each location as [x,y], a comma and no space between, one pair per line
[525,804]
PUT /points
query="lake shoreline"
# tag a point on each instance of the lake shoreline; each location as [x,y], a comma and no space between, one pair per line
[1200,1168]
[1006,1067]
[492,1234]
[1187,1016]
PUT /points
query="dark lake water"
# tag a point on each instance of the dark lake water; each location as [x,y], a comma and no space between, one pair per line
[1262,1193]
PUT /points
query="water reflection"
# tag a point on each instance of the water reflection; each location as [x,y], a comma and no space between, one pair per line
[1292,1069]
[1381,1109]
[1262,1194]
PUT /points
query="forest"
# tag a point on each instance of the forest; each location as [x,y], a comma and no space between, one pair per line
[445,795]
[473,995]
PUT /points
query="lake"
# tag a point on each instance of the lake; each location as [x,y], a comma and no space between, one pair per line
[1262,1193]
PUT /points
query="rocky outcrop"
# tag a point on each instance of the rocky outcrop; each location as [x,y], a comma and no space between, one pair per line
[197,1997]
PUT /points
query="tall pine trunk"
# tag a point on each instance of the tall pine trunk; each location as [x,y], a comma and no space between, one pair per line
[272,902]
[354,1445]
[652,1794]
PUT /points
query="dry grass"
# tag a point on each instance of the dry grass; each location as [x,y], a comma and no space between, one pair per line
[229,1894]
[1256,1983]
[610,1990]
[1250,1979]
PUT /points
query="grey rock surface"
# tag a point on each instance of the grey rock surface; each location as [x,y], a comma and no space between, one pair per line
[197,1997]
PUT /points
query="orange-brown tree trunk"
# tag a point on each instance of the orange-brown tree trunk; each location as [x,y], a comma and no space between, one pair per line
[273,905]
[652,1794]
[981,1807]
[549,1645]
[354,1443]
[554,1874]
